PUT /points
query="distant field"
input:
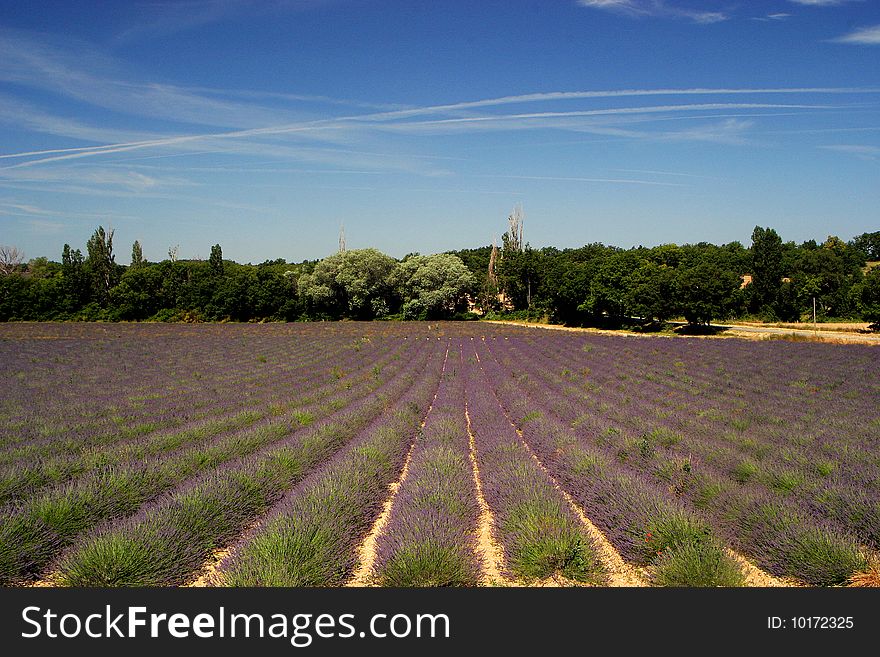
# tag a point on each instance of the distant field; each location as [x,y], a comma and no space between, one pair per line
[432,454]
[856,327]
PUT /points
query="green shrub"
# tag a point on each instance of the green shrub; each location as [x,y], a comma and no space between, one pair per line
[701,563]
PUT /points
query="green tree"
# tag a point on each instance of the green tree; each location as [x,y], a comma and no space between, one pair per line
[609,289]
[870,298]
[521,275]
[433,286]
[766,268]
[868,244]
[216,260]
[101,263]
[653,292]
[137,254]
[43,268]
[828,274]
[355,284]
[139,294]
[707,293]
[75,279]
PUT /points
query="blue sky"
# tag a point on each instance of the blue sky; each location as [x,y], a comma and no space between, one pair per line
[265,125]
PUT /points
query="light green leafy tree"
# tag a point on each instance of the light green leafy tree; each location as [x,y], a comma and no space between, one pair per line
[354,284]
[433,286]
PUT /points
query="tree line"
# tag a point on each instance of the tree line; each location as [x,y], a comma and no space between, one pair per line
[591,285]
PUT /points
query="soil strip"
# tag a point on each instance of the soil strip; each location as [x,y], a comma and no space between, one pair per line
[491,552]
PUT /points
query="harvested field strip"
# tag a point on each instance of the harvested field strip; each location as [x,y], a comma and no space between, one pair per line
[430,539]
[166,542]
[540,534]
[768,527]
[17,482]
[33,533]
[311,538]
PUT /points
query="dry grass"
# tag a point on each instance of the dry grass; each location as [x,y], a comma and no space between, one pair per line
[867,579]
[839,327]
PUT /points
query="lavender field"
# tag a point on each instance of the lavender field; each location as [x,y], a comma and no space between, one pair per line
[432,454]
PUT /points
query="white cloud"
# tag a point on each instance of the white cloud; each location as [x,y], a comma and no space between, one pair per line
[780,16]
[655,8]
[616,181]
[254,141]
[866,36]
[44,227]
[78,71]
[818,3]
[159,18]
[862,151]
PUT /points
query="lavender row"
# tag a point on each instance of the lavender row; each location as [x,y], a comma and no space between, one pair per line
[311,537]
[227,388]
[783,469]
[170,538]
[538,531]
[30,535]
[18,481]
[747,519]
[637,516]
[656,398]
[684,456]
[323,400]
[90,377]
[430,539]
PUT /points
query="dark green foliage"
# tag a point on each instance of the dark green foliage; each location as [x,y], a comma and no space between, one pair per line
[102,264]
[216,260]
[707,293]
[870,297]
[137,254]
[868,244]
[767,266]
[593,285]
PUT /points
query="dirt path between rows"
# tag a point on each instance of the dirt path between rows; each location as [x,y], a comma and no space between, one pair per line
[490,550]
[619,572]
[367,550]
